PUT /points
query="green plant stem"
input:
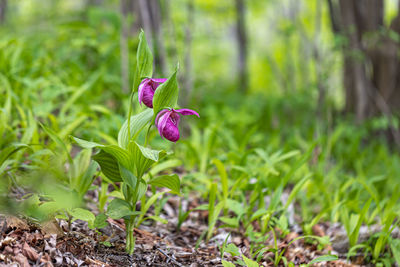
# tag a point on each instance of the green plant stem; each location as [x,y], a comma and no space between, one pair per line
[146,140]
[130,113]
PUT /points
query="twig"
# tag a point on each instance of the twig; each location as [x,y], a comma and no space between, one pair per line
[171,258]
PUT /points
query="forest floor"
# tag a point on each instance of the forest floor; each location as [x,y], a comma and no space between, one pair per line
[24,243]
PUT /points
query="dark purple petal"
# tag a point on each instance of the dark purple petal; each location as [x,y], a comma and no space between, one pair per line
[142,87]
[170,131]
[162,112]
[162,122]
[175,117]
[148,95]
[186,111]
[161,80]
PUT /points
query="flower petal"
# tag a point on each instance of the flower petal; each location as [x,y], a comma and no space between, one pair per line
[175,117]
[162,112]
[141,88]
[163,121]
[160,80]
[186,111]
[171,131]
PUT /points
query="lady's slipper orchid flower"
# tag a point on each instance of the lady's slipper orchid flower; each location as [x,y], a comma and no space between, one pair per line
[167,122]
[146,90]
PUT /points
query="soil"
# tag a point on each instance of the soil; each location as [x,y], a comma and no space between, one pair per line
[54,243]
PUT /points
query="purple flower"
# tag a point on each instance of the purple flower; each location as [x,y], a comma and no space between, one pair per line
[167,122]
[146,90]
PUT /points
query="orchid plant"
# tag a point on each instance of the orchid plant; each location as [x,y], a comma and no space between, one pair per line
[128,162]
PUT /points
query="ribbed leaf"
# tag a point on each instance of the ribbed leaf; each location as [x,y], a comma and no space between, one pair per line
[138,122]
[109,166]
[120,154]
[169,181]
[119,208]
[128,177]
[144,61]
[144,157]
[166,95]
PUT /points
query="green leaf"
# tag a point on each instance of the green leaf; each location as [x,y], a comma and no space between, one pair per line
[100,221]
[53,135]
[128,177]
[232,249]
[231,222]
[166,95]
[137,123]
[8,151]
[249,263]
[227,264]
[395,247]
[147,205]
[323,258]
[144,59]
[120,154]
[169,181]
[83,215]
[235,206]
[109,166]
[224,177]
[119,208]
[144,157]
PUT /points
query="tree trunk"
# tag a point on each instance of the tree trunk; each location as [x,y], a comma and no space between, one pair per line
[188,73]
[3,9]
[124,32]
[371,72]
[371,63]
[242,44]
[157,33]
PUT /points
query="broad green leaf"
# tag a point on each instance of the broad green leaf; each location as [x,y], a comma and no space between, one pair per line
[227,264]
[249,262]
[100,221]
[235,206]
[109,166]
[165,165]
[232,222]
[169,181]
[119,208]
[82,214]
[137,123]
[166,95]
[86,179]
[128,177]
[143,157]
[120,154]
[323,258]
[144,61]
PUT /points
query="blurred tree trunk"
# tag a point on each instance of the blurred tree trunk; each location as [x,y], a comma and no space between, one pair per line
[188,77]
[151,21]
[124,51]
[95,2]
[371,63]
[242,44]
[3,9]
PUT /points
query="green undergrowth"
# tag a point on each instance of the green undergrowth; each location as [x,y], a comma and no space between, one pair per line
[252,158]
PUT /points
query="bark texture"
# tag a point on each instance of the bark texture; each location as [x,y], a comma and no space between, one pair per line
[3,9]
[242,44]
[371,62]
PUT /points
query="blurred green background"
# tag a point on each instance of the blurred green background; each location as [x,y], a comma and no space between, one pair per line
[267,77]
